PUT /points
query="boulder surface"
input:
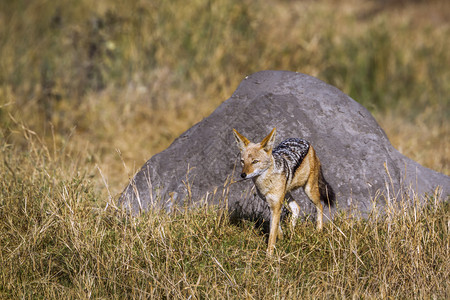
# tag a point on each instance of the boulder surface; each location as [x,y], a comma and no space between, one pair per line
[359,162]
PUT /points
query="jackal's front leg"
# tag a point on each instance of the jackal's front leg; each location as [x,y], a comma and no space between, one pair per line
[275,211]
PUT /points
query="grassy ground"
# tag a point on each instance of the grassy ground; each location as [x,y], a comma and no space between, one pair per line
[90,90]
[57,241]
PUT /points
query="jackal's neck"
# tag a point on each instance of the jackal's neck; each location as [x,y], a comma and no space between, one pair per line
[263,180]
[270,167]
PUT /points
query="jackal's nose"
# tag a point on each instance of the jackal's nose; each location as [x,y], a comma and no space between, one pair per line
[243,175]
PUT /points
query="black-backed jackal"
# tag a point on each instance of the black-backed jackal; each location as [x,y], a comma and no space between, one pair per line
[276,172]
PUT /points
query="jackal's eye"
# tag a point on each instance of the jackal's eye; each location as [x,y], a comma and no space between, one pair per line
[242,162]
[255,161]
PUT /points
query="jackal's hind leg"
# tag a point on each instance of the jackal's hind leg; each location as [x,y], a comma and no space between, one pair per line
[295,209]
[312,190]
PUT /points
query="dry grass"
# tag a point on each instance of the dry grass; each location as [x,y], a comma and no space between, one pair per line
[89,90]
[57,241]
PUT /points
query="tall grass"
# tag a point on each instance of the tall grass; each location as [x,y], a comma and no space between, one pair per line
[58,239]
[89,90]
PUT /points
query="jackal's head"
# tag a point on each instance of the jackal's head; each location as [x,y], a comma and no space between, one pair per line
[255,158]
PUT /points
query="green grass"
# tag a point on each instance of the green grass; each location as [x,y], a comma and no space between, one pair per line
[89,90]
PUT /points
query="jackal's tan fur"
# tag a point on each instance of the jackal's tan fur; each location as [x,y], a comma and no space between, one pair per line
[276,172]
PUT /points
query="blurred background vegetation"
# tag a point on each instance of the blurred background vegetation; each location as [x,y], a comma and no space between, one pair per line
[114,82]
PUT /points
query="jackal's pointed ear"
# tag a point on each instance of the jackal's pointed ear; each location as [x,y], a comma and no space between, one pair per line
[267,142]
[241,140]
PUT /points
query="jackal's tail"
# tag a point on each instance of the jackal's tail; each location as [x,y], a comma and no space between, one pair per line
[326,191]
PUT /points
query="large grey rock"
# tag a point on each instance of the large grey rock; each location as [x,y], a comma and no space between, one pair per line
[357,158]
